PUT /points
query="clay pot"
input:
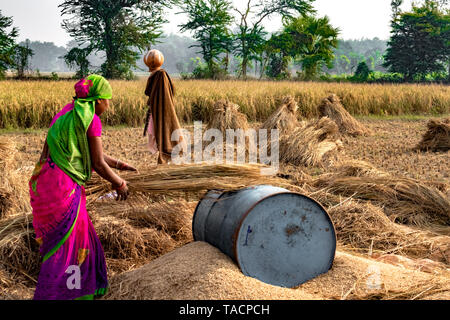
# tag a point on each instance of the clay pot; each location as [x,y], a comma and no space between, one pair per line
[154,59]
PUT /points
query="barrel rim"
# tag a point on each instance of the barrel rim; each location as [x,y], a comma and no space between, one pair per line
[244,216]
[198,204]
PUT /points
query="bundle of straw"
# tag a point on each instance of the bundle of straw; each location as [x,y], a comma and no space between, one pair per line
[188,178]
[284,118]
[406,200]
[13,186]
[227,116]
[19,251]
[437,138]
[332,108]
[308,145]
[364,228]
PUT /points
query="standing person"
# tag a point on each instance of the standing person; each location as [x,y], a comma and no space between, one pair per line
[161,120]
[73,261]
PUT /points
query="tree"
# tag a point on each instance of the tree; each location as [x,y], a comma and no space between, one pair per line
[344,64]
[22,58]
[7,43]
[116,27]
[251,35]
[277,53]
[362,71]
[311,41]
[420,42]
[78,58]
[210,21]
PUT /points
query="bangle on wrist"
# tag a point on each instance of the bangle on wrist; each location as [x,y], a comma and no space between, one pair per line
[122,185]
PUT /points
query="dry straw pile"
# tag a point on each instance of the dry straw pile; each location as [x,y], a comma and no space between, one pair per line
[437,138]
[364,228]
[226,115]
[307,145]
[284,118]
[130,235]
[13,186]
[19,252]
[404,200]
[332,108]
[133,235]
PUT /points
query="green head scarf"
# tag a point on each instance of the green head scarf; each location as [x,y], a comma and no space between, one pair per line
[67,140]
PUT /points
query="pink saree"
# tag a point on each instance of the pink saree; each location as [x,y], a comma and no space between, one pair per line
[73,264]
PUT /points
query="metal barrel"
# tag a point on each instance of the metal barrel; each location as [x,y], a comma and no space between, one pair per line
[274,235]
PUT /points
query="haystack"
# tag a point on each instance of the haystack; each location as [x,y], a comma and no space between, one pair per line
[404,200]
[332,108]
[199,271]
[307,146]
[227,116]
[284,118]
[437,138]
[14,196]
[136,232]
[358,168]
[364,228]
[19,252]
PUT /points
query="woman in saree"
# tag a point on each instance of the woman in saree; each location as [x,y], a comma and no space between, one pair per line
[161,121]
[73,261]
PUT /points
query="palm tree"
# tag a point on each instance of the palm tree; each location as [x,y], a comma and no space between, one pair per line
[312,42]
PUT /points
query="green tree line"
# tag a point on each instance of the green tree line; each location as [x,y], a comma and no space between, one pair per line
[110,37]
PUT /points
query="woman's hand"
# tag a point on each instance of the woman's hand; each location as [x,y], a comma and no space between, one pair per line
[104,170]
[127,167]
[122,191]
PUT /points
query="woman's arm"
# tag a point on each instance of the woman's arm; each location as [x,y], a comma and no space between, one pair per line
[45,152]
[117,164]
[103,169]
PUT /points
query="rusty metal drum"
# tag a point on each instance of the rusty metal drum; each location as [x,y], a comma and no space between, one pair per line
[274,235]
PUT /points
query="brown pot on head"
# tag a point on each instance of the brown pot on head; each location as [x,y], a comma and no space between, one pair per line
[154,59]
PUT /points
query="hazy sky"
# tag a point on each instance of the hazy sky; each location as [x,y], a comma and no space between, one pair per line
[41,20]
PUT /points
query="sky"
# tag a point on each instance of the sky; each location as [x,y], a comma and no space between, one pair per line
[40,20]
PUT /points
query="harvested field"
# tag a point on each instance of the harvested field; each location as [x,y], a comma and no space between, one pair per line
[393,234]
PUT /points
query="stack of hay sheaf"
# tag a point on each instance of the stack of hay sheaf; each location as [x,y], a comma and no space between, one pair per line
[134,234]
[303,143]
[284,118]
[437,138]
[405,200]
[227,116]
[332,108]
[13,186]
